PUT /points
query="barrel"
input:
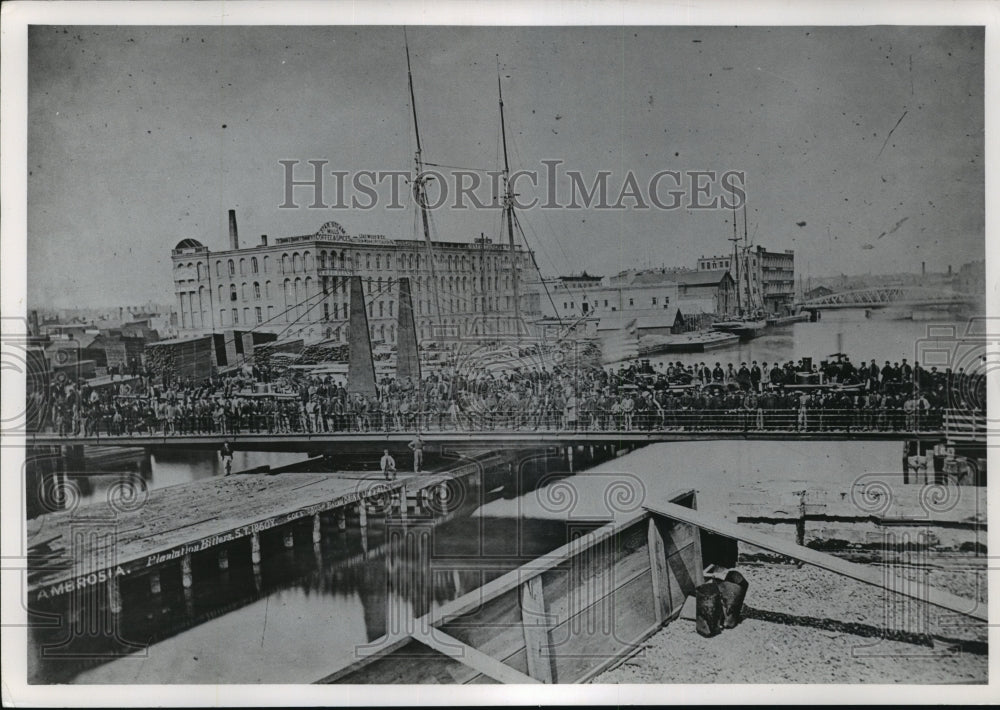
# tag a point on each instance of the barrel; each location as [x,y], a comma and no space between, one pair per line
[708,605]
[733,590]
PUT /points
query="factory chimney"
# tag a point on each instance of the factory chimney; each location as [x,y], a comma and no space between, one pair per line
[234,239]
[263,240]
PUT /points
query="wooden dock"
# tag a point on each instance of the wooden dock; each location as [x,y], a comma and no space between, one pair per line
[135,533]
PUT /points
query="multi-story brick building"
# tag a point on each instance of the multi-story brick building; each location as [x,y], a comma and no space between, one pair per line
[772,275]
[298,286]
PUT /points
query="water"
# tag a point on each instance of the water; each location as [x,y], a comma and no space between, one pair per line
[849,331]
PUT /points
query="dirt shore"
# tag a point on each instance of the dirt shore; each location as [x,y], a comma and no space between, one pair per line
[807,625]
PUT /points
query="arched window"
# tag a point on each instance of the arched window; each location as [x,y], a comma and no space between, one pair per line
[308,259]
[369,285]
[390,309]
[381,309]
[378,262]
[243,267]
[253,264]
[243,291]
[289,298]
[381,333]
[199,271]
[286,264]
[378,288]
[232,268]
[256,290]
[296,262]
[418,261]
[343,259]
[222,294]
[218,268]
[265,264]
[267,289]
[322,259]
[232,292]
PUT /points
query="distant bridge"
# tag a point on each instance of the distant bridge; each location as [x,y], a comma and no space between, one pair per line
[888,297]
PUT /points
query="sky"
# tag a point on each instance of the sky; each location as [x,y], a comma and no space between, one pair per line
[862,147]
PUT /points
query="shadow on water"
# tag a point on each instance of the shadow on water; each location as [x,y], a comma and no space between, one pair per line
[298,615]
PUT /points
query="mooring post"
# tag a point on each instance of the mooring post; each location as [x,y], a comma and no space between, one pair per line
[289,538]
[154,582]
[223,559]
[255,548]
[186,577]
[317,530]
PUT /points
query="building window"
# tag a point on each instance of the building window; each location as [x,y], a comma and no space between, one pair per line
[631,302]
[218,269]
[369,285]
[260,316]
[222,316]
[654,300]
[381,309]
[232,292]
[246,316]
[236,316]
[326,311]
[253,264]
[605,303]
[256,290]
[232,268]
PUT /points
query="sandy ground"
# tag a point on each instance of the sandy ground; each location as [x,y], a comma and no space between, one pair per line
[807,625]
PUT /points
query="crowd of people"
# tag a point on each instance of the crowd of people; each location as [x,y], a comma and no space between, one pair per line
[795,396]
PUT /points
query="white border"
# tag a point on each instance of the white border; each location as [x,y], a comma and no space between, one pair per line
[13,226]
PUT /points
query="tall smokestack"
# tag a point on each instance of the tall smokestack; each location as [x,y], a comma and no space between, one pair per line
[234,238]
[263,240]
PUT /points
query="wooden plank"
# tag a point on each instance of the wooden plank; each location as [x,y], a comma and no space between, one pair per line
[658,570]
[467,655]
[534,623]
[874,576]
[494,628]
[598,634]
[515,578]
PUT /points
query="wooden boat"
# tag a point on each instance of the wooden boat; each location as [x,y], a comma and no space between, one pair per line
[571,614]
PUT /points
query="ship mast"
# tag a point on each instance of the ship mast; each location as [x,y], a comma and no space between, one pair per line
[736,260]
[419,193]
[508,206]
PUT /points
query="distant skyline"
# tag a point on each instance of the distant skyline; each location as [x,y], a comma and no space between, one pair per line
[862,147]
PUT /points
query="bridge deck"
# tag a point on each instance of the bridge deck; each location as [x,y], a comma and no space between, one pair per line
[97,542]
[372,440]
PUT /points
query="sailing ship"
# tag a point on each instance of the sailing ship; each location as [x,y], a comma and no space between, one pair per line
[750,320]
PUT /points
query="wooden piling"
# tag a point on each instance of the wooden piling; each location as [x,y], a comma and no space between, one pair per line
[317,530]
[114,596]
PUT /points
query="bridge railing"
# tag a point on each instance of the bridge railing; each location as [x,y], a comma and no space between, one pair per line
[805,419]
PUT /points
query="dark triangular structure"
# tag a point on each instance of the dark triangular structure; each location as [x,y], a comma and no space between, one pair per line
[407,356]
[360,367]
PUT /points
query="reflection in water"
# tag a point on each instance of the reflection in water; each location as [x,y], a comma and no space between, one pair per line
[302,613]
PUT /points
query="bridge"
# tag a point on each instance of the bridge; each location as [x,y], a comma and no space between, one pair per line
[889,297]
[373,441]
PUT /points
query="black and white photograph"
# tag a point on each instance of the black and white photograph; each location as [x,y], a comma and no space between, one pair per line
[634,352]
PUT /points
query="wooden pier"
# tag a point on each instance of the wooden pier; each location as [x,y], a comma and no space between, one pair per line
[135,533]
